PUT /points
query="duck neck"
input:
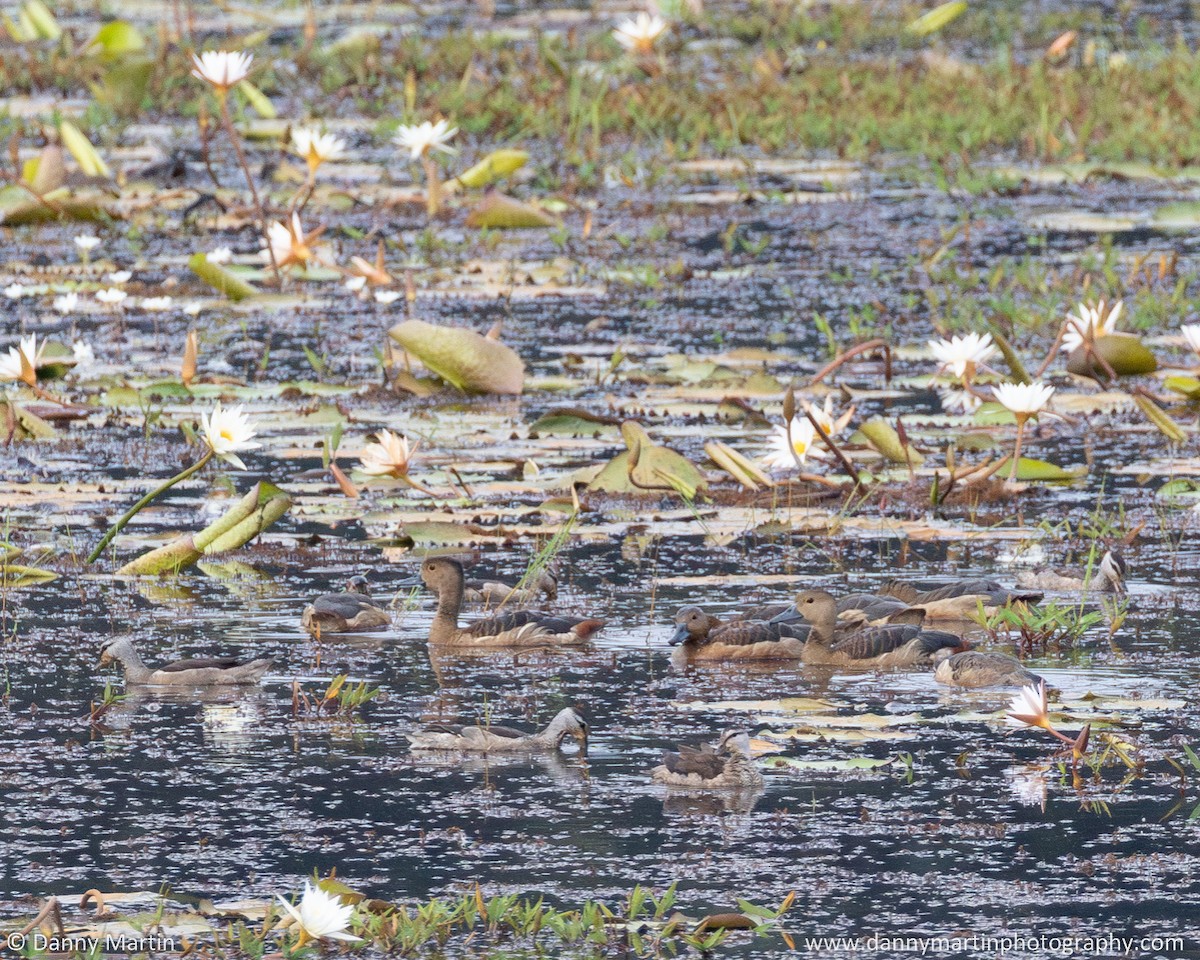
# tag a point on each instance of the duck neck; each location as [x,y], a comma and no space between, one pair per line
[553,735]
[136,670]
[450,600]
[823,628]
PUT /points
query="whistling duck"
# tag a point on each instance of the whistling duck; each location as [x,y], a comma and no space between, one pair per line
[705,637]
[347,612]
[508,628]
[866,645]
[493,592]
[961,599]
[728,766]
[977,668]
[199,673]
[1109,577]
[495,739]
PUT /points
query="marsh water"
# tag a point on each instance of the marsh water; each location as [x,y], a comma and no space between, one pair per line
[708,281]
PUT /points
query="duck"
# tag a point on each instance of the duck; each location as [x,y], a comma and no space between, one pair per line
[853,608]
[199,673]
[961,599]
[978,668]
[727,766]
[1108,577]
[706,637]
[865,645]
[495,592]
[509,628]
[351,611]
[474,738]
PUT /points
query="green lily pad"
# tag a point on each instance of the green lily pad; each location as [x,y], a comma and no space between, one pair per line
[463,358]
[828,766]
[1124,352]
[1046,472]
[572,421]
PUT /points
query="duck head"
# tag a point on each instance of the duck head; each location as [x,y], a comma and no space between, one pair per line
[692,623]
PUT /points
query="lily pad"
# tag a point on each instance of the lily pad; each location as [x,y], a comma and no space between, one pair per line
[1124,352]
[647,467]
[499,212]
[464,359]
[1046,472]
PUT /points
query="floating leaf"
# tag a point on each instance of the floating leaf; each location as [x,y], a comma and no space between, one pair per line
[462,358]
[882,436]
[19,209]
[1155,414]
[1043,471]
[118,38]
[499,212]
[258,100]
[1123,352]
[647,467]
[737,466]
[572,421]
[828,766]
[1188,386]
[220,279]
[22,424]
[495,166]
[937,18]
[15,575]
[82,150]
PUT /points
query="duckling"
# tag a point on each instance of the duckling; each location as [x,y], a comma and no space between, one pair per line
[728,766]
[197,673]
[347,612]
[494,592]
[889,645]
[976,668]
[959,600]
[1109,577]
[496,739]
[509,628]
[706,637]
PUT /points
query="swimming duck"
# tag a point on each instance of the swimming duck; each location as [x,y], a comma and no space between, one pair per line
[976,668]
[728,766]
[495,739]
[493,592]
[199,673]
[347,612]
[509,628]
[961,599]
[706,637]
[1109,577]
[866,645]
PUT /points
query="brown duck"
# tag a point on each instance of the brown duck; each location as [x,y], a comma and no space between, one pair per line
[978,668]
[865,645]
[509,628]
[728,766]
[351,611]
[961,599]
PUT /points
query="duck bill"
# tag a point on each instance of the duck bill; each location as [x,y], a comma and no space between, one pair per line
[679,636]
[409,582]
[790,615]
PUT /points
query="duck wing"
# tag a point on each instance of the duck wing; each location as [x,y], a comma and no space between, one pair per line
[765,611]
[742,633]
[505,621]
[703,761]
[346,605]
[875,641]
[203,663]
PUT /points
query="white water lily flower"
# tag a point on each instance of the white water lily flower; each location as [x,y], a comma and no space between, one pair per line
[1030,707]
[1024,399]
[67,302]
[316,148]
[290,244]
[15,291]
[157,303]
[111,295]
[1191,333]
[962,354]
[391,456]
[28,351]
[1091,323]
[229,431]
[86,242]
[321,916]
[219,256]
[787,451]
[420,139]
[957,400]
[387,296]
[824,416]
[118,277]
[85,356]
[222,68]
[640,33]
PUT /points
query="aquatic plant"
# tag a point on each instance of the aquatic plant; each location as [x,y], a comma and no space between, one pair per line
[1025,401]
[422,141]
[340,700]
[1030,708]
[320,916]
[226,433]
